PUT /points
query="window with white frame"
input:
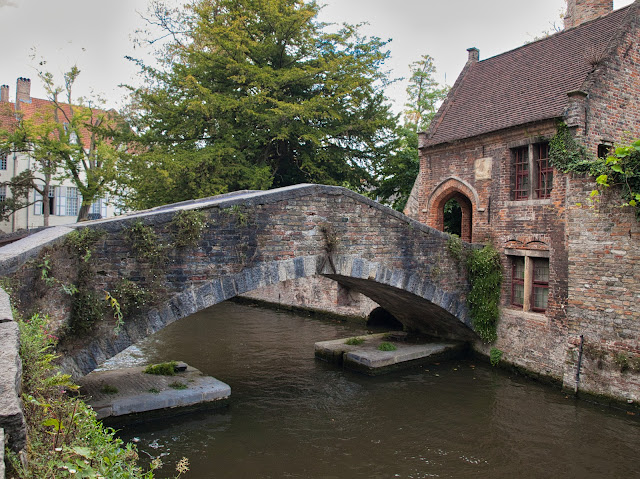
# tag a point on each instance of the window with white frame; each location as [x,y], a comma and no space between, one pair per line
[38,205]
[3,162]
[72,201]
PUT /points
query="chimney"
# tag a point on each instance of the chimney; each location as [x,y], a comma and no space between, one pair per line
[4,93]
[23,91]
[474,55]
[580,11]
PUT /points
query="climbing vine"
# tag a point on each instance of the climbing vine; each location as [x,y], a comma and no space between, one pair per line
[145,243]
[189,225]
[484,271]
[485,276]
[565,153]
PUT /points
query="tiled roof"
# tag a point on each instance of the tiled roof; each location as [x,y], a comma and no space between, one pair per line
[39,111]
[524,85]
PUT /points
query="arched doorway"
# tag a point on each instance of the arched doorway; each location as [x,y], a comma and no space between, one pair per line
[452,212]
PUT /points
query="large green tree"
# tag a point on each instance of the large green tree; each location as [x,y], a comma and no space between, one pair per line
[399,171]
[254,94]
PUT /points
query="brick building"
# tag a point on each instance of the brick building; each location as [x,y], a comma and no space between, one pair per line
[569,269]
[64,198]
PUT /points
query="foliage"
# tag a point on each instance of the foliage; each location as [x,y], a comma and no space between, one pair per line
[190,225]
[254,95]
[240,215]
[621,170]
[162,369]
[398,172]
[71,140]
[386,346]
[495,355]
[178,385]
[145,243]
[565,153]
[424,92]
[130,297]
[109,389]
[485,276]
[64,437]
[452,217]
[86,310]
[454,247]
[81,241]
[354,341]
[622,361]
[117,312]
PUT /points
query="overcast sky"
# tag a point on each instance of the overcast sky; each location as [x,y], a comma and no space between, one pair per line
[97,35]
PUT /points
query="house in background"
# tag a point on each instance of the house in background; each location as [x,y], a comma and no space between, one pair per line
[570,270]
[65,200]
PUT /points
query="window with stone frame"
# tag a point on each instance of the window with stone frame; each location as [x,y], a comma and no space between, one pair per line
[3,162]
[517,281]
[529,283]
[532,172]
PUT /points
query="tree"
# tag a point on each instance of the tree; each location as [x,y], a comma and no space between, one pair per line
[254,94]
[65,141]
[400,170]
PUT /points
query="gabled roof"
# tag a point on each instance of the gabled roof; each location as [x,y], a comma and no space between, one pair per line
[524,85]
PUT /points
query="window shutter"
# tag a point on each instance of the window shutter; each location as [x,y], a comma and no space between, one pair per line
[38,204]
[103,208]
[61,200]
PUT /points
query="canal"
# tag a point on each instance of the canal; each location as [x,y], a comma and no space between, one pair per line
[292,416]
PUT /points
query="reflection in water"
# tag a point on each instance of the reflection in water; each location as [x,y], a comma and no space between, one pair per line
[294,417]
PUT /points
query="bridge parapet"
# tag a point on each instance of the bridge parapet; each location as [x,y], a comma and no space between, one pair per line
[252,239]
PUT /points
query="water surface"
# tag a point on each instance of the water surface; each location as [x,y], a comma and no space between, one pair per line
[292,416]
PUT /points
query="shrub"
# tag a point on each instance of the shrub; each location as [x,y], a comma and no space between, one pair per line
[495,355]
[354,341]
[189,224]
[162,369]
[385,346]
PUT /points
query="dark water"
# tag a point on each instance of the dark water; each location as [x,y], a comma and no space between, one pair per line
[294,417]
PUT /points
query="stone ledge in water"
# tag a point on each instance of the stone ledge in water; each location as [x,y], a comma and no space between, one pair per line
[128,391]
[367,358]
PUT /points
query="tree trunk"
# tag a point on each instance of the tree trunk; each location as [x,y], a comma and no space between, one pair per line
[46,204]
[83,214]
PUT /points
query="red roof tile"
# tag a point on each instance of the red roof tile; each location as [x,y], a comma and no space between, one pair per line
[523,85]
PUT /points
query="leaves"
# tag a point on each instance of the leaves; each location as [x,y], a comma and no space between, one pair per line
[255,95]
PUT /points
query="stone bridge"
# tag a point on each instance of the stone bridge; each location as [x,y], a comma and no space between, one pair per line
[250,239]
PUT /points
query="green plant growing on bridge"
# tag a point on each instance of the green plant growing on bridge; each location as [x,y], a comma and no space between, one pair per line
[86,310]
[495,355]
[131,297]
[162,369]
[354,341]
[117,312]
[387,346]
[242,218]
[485,277]
[145,243]
[82,241]
[189,225]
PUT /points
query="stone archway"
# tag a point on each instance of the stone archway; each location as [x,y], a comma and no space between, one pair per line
[452,189]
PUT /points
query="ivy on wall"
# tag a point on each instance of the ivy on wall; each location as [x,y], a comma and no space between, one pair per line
[620,170]
[485,278]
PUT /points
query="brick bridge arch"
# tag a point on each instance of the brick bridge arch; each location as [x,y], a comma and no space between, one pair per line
[255,239]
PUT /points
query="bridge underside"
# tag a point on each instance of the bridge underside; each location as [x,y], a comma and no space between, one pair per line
[414,312]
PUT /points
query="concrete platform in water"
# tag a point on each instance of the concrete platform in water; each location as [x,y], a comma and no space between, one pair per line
[367,358]
[129,391]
